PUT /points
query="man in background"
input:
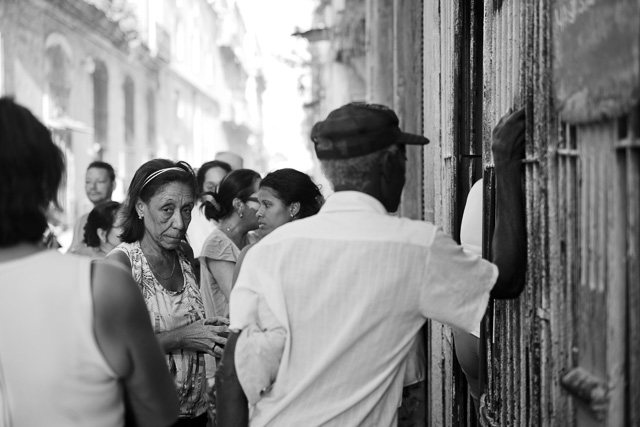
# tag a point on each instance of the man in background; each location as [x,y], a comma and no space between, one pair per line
[99,183]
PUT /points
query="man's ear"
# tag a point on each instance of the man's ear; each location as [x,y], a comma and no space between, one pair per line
[294,209]
[390,164]
[391,173]
[102,235]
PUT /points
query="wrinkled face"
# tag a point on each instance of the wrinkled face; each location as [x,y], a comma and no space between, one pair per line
[167,215]
[98,185]
[273,212]
[212,178]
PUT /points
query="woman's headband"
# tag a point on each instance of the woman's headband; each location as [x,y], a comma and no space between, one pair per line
[160,172]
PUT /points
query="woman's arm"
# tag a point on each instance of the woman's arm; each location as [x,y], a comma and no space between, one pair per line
[236,270]
[125,336]
[222,271]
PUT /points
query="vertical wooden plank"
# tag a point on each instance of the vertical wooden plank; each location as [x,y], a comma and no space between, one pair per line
[616,292]
[431,178]
[408,96]
[380,54]
[633,273]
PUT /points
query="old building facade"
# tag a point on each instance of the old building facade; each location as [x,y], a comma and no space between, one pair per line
[566,351]
[127,81]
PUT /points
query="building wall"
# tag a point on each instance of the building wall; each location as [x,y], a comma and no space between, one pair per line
[566,351]
[180,96]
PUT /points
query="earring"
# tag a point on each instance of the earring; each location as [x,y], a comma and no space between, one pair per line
[140,216]
[292,215]
[241,215]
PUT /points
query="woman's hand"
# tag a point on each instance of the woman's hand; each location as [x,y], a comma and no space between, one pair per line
[204,336]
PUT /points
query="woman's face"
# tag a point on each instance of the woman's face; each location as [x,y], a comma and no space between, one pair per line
[111,239]
[273,212]
[212,178]
[167,215]
[251,207]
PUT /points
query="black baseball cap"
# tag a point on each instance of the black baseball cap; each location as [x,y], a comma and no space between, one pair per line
[357,129]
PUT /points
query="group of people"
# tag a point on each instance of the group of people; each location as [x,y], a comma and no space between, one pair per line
[295,310]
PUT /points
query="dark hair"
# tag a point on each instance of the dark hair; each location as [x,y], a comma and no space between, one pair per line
[101,216]
[31,170]
[209,165]
[103,165]
[237,184]
[132,226]
[293,186]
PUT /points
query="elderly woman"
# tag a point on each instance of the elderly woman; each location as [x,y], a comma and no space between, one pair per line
[76,344]
[156,215]
[102,229]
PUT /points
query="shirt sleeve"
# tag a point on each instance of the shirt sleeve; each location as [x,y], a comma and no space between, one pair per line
[243,301]
[456,284]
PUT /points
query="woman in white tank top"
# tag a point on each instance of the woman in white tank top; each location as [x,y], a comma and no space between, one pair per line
[76,344]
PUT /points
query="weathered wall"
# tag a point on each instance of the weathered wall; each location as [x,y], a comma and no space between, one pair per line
[576,323]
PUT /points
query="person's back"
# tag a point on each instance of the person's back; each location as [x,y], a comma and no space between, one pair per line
[54,379]
[353,285]
[76,344]
[356,285]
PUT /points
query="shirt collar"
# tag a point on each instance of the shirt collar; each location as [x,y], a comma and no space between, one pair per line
[344,201]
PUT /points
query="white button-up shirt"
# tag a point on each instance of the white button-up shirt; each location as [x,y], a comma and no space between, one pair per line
[352,286]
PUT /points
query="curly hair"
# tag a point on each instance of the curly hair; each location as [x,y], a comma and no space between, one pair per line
[144,187]
[102,216]
[237,184]
[292,186]
[31,170]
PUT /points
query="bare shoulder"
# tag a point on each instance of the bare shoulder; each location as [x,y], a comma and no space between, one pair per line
[119,258]
[113,286]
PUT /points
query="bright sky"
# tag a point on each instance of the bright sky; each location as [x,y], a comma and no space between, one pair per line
[273,22]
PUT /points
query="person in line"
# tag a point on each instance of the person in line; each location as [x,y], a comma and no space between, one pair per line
[209,177]
[285,195]
[100,181]
[76,344]
[353,285]
[233,206]
[102,230]
[155,218]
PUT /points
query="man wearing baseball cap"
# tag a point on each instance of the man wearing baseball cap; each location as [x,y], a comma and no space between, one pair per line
[352,285]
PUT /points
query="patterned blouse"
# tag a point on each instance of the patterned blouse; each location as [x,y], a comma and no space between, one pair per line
[171,310]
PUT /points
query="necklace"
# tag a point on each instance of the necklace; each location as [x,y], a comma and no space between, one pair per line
[173,269]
